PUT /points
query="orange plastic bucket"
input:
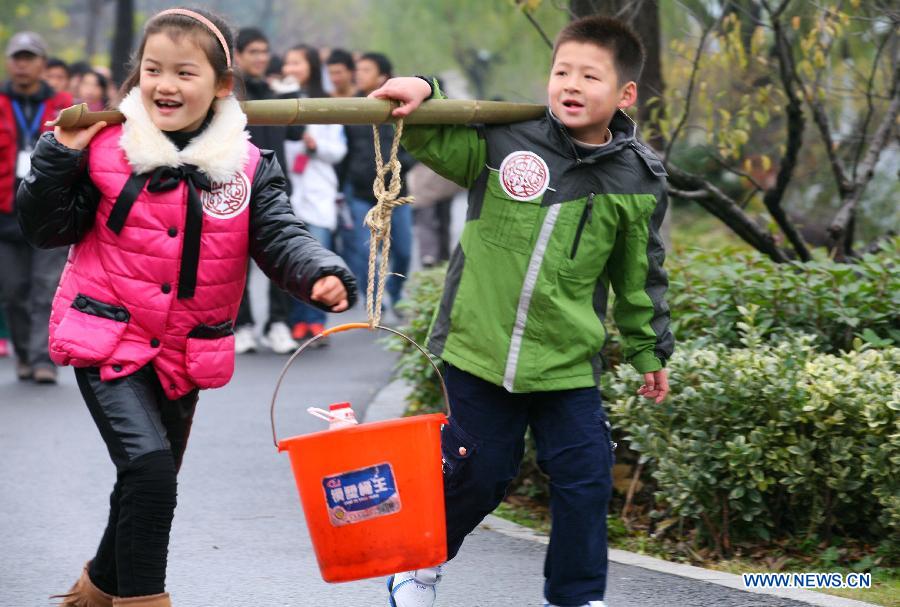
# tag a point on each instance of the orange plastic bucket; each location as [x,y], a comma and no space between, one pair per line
[373,494]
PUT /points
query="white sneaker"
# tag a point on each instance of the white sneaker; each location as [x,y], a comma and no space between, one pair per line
[279,339]
[591,604]
[414,588]
[244,340]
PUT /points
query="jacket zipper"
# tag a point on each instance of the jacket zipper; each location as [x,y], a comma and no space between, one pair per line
[585,218]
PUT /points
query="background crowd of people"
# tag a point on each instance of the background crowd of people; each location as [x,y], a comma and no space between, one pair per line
[329,170]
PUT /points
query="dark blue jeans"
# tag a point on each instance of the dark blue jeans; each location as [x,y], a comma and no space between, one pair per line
[355,243]
[573,448]
[301,312]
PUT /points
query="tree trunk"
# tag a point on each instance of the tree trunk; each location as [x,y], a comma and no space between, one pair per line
[651,85]
[94,15]
[123,40]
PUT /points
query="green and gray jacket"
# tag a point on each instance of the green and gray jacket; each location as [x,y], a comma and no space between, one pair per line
[549,228]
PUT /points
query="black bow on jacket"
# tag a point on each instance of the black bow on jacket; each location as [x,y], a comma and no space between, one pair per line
[164,179]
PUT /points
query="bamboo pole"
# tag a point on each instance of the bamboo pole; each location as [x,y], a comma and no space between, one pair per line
[352,110]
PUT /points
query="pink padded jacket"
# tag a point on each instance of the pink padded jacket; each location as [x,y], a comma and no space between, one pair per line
[118,305]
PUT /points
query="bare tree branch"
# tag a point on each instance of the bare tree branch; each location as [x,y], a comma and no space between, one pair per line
[537,26]
[690,91]
[692,195]
[841,222]
[776,13]
[795,124]
[820,117]
[748,197]
[864,130]
[737,172]
[722,206]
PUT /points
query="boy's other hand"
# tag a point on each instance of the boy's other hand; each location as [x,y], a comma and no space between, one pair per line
[656,385]
[408,90]
[77,139]
[329,290]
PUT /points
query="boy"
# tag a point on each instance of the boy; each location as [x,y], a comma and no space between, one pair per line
[340,67]
[559,208]
[56,74]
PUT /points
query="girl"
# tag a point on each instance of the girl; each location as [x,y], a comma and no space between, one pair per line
[163,212]
[311,158]
[92,91]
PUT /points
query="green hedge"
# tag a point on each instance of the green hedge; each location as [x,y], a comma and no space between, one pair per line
[783,416]
[835,302]
[423,294]
[771,438]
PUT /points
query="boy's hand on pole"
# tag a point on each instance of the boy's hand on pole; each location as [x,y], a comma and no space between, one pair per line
[77,139]
[329,290]
[408,90]
[656,385]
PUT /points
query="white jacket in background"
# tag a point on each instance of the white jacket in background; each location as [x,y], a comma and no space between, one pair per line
[315,191]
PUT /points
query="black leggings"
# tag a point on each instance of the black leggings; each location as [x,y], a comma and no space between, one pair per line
[146,435]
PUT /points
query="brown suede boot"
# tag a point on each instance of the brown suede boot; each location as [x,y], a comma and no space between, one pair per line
[84,593]
[152,600]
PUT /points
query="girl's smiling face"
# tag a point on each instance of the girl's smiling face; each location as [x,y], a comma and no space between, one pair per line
[177,82]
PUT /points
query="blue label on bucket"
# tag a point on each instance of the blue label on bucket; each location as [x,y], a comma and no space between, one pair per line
[360,495]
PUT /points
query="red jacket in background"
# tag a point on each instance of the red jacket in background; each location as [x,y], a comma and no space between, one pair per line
[9,138]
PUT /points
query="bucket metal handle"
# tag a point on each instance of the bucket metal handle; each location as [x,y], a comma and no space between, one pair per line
[339,329]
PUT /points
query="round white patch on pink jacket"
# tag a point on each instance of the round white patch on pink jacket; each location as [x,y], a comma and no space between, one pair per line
[227,199]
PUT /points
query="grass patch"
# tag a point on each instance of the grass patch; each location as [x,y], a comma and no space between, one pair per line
[525,515]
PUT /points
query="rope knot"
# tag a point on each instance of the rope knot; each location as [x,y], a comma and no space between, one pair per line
[378,219]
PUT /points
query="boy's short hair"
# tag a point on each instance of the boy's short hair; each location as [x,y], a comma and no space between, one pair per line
[342,57]
[80,68]
[53,62]
[384,64]
[611,34]
[247,36]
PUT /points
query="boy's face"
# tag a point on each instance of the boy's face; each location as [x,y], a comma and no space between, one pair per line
[254,59]
[584,90]
[368,77]
[341,76]
[57,78]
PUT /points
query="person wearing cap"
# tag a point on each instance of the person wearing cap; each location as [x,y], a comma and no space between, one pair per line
[28,276]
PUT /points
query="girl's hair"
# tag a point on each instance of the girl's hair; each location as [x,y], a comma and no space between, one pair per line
[175,26]
[313,86]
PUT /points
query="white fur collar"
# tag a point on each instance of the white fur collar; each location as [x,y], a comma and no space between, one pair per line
[219,151]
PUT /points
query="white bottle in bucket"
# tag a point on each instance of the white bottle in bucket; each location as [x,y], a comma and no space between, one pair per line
[339,415]
[342,416]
